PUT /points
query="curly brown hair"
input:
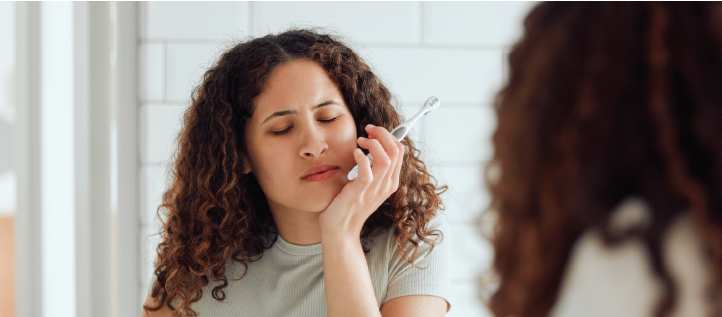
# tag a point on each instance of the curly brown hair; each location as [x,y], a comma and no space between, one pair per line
[605,100]
[213,213]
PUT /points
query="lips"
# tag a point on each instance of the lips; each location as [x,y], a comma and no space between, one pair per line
[320,172]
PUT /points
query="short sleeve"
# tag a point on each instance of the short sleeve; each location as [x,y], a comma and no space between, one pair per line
[431,276]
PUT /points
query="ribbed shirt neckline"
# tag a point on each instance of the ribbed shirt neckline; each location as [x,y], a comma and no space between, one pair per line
[298,249]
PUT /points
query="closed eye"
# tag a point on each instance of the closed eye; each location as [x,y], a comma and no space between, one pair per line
[282,131]
[289,128]
[329,120]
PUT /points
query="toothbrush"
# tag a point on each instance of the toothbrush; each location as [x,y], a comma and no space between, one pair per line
[403,129]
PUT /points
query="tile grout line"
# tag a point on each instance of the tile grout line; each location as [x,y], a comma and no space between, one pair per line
[367,45]
[421,23]
[469,105]
[165,71]
[250,18]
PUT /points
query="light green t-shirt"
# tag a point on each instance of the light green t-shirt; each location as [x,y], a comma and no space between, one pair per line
[288,279]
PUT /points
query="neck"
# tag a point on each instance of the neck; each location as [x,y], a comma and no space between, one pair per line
[296,226]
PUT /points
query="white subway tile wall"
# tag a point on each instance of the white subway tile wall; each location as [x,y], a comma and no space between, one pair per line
[154,181]
[159,124]
[461,76]
[471,253]
[152,71]
[466,300]
[389,23]
[193,21]
[454,50]
[488,24]
[185,65]
[460,134]
[466,196]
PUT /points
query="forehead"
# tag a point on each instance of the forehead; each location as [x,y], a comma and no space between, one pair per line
[296,85]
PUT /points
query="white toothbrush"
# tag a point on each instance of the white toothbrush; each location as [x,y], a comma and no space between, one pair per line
[403,129]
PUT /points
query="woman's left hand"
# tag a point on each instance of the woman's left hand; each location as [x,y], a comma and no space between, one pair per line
[362,196]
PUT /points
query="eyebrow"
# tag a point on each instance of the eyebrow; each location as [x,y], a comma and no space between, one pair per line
[287,112]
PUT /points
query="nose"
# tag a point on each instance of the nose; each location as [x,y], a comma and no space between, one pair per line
[313,143]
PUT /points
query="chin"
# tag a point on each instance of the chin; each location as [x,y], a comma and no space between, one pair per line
[318,201]
[317,206]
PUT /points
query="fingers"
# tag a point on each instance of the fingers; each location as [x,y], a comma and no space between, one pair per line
[374,184]
[364,167]
[388,141]
[393,151]
[382,162]
[397,168]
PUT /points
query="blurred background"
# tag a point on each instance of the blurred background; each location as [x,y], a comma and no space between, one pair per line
[91,96]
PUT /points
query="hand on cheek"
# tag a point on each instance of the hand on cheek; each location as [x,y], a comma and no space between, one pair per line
[361,197]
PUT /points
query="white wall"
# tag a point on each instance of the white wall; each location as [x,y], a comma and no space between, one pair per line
[453,50]
[57,109]
[8,189]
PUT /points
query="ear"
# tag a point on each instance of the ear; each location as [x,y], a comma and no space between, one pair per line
[246,164]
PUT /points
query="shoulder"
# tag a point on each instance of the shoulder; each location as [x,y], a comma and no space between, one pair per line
[419,267]
[436,229]
[610,281]
[439,223]
[619,280]
[428,249]
[386,238]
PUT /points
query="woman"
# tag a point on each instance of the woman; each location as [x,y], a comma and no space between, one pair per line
[607,172]
[261,220]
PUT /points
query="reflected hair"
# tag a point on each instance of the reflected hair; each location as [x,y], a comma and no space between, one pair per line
[605,101]
[213,214]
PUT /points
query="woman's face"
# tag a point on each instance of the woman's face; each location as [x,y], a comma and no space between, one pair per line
[300,138]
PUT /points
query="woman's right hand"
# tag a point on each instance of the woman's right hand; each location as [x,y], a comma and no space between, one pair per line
[347,213]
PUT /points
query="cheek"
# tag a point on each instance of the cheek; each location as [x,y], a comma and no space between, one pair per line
[344,145]
[270,164]
[346,137]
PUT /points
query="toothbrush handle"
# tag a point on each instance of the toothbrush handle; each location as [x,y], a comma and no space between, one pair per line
[354,171]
